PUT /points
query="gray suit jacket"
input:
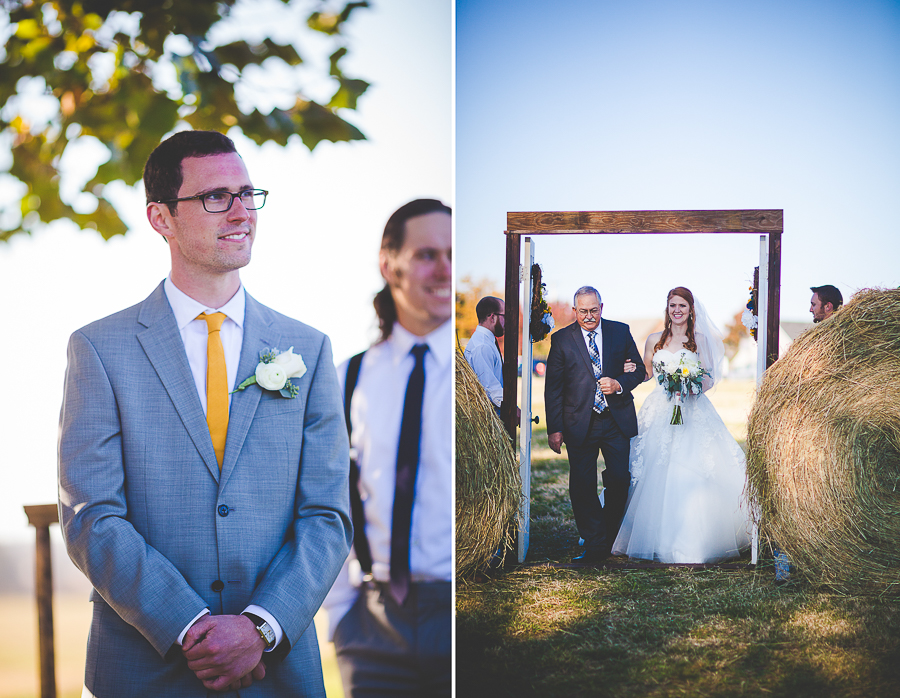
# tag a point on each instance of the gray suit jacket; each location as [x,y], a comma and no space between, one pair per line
[161,534]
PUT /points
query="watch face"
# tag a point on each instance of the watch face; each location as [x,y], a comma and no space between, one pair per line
[267,633]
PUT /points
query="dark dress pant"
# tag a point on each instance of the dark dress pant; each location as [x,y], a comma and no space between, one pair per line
[388,650]
[599,524]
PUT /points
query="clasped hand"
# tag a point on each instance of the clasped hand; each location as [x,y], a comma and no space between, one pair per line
[608,386]
[225,652]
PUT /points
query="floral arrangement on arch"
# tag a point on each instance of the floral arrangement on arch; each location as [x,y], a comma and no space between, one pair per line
[749,316]
[541,322]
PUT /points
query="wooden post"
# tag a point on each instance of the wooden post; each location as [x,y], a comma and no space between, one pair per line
[511,336]
[774,310]
[41,517]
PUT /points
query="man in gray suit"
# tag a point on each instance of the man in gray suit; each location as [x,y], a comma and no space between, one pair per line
[211,523]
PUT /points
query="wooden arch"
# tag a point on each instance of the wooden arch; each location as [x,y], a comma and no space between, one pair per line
[768,222]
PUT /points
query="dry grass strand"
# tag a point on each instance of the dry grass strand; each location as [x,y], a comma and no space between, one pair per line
[488,486]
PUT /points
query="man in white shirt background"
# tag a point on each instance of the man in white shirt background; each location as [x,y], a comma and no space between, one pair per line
[825,301]
[483,351]
[390,609]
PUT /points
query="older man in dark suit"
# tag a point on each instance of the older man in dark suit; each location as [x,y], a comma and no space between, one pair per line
[587,395]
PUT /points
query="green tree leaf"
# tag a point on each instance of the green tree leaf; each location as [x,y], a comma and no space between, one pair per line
[105,66]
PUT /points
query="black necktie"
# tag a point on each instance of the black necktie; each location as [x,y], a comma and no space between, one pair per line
[407,465]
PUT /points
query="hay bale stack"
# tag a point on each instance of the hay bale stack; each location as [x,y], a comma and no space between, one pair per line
[488,486]
[824,448]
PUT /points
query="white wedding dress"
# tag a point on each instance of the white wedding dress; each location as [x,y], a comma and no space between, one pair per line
[686,502]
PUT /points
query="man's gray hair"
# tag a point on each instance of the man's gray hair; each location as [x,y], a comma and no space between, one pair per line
[586,291]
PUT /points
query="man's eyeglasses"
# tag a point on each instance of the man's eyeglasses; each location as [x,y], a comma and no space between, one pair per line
[221,201]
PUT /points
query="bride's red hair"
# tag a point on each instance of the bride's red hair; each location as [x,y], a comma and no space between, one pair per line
[690,344]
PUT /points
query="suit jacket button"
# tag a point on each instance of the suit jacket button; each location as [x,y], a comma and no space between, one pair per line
[217,585]
[223,510]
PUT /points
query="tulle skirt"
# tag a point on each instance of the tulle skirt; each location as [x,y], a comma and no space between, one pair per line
[687,498]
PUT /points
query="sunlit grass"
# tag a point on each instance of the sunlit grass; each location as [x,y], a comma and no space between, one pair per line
[544,630]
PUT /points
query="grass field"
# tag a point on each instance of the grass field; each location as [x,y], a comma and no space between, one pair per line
[543,629]
[71,620]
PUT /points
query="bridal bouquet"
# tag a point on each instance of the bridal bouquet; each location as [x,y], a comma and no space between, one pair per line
[680,377]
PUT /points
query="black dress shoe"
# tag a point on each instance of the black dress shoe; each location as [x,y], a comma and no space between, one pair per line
[592,556]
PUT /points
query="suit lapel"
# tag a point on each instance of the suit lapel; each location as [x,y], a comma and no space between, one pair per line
[581,348]
[605,356]
[164,347]
[259,334]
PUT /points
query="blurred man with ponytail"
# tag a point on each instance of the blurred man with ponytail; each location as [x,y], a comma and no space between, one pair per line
[390,608]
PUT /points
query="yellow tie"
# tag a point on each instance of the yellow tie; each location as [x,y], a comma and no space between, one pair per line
[216,384]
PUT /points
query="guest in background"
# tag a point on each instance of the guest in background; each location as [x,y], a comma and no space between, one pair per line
[824,302]
[390,609]
[483,351]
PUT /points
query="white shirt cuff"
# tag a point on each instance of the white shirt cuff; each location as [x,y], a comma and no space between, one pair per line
[187,627]
[270,619]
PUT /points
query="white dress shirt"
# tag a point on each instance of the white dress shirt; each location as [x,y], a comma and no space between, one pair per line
[484,358]
[376,411]
[599,341]
[194,334]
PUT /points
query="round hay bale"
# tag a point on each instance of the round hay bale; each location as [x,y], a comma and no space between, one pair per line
[823,460]
[488,486]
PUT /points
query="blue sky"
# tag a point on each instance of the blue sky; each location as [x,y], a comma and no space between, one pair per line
[596,105]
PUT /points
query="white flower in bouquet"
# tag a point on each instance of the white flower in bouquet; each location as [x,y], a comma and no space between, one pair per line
[680,377]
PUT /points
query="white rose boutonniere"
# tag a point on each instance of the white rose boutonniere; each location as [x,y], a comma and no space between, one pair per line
[270,376]
[292,363]
[275,370]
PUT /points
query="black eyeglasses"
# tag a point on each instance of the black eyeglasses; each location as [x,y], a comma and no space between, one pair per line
[221,201]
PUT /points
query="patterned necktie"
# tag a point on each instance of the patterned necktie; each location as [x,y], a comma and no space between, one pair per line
[599,397]
[407,466]
[216,384]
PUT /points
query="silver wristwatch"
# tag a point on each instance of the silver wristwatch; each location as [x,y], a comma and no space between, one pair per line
[264,629]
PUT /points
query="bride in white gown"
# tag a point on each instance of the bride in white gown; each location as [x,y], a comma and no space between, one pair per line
[686,502]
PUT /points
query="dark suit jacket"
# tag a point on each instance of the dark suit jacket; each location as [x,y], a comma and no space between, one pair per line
[570,384]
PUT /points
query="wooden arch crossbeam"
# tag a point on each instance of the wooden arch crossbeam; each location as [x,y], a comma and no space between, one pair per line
[767,222]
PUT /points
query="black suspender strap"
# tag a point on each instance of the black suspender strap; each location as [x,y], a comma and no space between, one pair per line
[358,516]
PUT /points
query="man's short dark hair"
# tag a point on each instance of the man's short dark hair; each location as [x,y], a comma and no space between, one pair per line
[486,307]
[162,173]
[828,294]
[395,228]
[392,240]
